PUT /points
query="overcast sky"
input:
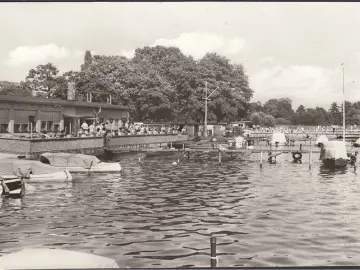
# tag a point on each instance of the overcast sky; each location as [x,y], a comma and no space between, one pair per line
[290,50]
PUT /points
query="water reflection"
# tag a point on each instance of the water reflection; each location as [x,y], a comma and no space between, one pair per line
[160,215]
[327,172]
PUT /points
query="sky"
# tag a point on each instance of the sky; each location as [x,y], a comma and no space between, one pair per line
[292,50]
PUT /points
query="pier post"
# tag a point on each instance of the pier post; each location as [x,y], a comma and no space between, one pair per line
[300,146]
[310,159]
[219,157]
[261,159]
[355,161]
[213,257]
[170,145]
[188,154]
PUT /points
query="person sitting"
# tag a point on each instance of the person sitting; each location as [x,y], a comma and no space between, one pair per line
[84,125]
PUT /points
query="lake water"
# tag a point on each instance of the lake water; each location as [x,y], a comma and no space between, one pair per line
[157,214]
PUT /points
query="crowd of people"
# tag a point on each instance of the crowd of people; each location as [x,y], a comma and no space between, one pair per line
[304,129]
[107,128]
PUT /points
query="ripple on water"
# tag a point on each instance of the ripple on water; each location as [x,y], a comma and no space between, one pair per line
[160,215]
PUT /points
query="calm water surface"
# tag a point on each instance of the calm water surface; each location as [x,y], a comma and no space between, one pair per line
[157,214]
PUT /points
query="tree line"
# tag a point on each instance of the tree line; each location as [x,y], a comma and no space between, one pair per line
[280,112]
[158,84]
[162,84]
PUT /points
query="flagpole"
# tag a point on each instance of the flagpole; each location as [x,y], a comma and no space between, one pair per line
[343,103]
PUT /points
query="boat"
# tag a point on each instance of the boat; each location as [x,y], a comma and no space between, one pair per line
[32,171]
[12,187]
[79,163]
[278,139]
[333,154]
[321,140]
[46,258]
[357,143]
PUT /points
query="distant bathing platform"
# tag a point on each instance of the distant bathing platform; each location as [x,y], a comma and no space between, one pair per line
[85,145]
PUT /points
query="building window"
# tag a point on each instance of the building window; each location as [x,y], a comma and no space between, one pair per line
[21,128]
[43,126]
[49,126]
[4,128]
[56,128]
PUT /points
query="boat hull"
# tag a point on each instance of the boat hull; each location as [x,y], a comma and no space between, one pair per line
[334,163]
[60,176]
[101,167]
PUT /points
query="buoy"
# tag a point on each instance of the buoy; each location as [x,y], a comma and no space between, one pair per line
[174,163]
[297,156]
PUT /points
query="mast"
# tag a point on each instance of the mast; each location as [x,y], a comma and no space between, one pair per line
[343,103]
[205,119]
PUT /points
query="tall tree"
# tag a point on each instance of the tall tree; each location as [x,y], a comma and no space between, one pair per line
[87,61]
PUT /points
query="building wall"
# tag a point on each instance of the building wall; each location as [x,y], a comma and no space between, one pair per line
[87,145]
[14,117]
[16,146]
[120,141]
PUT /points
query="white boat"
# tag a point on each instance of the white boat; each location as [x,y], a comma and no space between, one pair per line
[278,139]
[32,171]
[44,258]
[79,163]
[321,140]
[333,154]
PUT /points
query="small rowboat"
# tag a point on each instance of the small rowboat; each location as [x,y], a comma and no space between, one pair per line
[12,187]
[79,163]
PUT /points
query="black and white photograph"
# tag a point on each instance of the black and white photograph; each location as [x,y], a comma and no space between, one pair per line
[179,134]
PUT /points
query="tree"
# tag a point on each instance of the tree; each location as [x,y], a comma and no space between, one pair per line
[279,108]
[335,114]
[14,89]
[269,121]
[87,61]
[43,78]
[255,119]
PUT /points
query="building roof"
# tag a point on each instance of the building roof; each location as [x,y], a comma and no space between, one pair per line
[55,101]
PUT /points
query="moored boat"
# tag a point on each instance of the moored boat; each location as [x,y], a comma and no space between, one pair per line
[278,139]
[32,171]
[79,163]
[13,187]
[333,154]
[357,143]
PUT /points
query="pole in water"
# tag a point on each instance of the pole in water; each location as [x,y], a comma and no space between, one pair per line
[213,257]
[310,159]
[300,146]
[261,159]
[355,161]
[219,157]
